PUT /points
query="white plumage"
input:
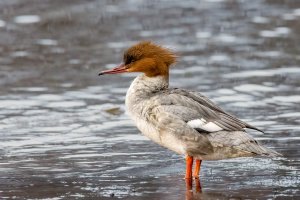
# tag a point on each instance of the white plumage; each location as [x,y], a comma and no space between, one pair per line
[204,125]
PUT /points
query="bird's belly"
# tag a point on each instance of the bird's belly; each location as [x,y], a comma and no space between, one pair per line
[166,140]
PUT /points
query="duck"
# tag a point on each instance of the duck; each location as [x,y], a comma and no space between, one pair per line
[184,121]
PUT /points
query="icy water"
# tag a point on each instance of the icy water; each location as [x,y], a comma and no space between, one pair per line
[64,130]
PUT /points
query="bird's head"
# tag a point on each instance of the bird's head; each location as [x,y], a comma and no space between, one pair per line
[146,57]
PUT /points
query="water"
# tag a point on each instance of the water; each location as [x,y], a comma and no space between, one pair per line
[64,130]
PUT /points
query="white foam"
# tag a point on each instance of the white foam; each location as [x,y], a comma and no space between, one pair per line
[27,19]
[254,87]
[2,23]
[260,20]
[46,42]
[264,72]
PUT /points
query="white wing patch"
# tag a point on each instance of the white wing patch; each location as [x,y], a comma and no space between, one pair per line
[204,125]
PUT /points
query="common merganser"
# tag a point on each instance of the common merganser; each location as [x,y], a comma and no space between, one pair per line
[181,120]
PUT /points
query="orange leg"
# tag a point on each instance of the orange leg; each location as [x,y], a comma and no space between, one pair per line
[189,167]
[197,169]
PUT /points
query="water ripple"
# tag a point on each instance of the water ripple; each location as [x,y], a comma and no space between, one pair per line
[65,133]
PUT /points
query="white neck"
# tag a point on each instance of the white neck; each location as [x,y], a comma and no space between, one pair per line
[143,87]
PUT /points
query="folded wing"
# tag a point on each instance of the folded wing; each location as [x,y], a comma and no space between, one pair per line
[197,111]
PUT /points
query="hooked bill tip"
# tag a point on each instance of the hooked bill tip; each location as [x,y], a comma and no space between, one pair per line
[100,74]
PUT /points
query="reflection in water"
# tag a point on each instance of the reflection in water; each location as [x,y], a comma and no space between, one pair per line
[189,184]
[65,133]
[189,189]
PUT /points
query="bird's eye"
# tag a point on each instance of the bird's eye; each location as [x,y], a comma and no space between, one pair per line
[129,59]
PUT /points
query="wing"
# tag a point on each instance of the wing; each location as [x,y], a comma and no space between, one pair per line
[170,126]
[198,111]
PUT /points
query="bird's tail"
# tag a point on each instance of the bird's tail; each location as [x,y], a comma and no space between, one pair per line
[242,142]
[254,147]
[264,151]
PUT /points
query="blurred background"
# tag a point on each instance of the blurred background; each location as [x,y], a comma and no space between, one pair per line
[64,130]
